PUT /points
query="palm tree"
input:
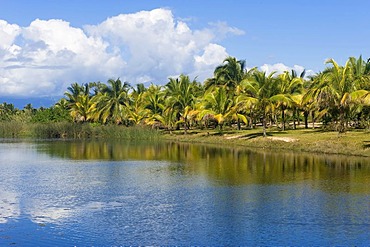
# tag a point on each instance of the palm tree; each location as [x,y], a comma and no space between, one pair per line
[81,109]
[62,103]
[289,86]
[73,92]
[216,104]
[336,89]
[360,72]
[154,99]
[230,74]
[168,118]
[111,102]
[244,103]
[262,89]
[181,94]
[136,111]
[154,103]
[309,105]
[78,98]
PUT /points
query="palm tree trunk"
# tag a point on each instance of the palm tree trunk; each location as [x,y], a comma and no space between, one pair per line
[283,119]
[264,127]
[313,119]
[342,128]
[264,120]
[272,118]
[306,113]
[252,122]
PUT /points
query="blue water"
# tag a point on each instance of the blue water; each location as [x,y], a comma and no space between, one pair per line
[47,200]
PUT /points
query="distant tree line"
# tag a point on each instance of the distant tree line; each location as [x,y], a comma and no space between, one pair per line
[338,98]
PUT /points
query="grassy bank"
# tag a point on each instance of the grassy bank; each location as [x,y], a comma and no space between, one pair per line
[305,140]
[68,130]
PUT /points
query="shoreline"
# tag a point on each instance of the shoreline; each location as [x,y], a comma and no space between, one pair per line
[352,143]
[355,142]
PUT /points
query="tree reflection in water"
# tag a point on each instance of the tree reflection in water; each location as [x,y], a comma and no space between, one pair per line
[229,165]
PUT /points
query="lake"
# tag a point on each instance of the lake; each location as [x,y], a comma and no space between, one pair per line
[107,193]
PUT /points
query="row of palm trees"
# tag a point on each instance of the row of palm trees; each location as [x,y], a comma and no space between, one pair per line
[235,96]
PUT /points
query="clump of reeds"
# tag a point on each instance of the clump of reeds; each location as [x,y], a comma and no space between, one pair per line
[123,132]
[62,130]
[70,130]
[11,129]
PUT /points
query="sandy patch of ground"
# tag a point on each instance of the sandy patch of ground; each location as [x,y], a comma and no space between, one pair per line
[274,138]
[233,137]
[284,139]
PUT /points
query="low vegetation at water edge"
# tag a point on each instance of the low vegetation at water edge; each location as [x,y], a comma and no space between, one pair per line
[68,130]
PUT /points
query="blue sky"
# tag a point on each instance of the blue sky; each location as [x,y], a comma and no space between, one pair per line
[47,45]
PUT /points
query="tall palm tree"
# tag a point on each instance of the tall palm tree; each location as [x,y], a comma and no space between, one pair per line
[154,103]
[136,111]
[73,92]
[289,85]
[181,94]
[244,103]
[262,88]
[154,99]
[111,102]
[309,104]
[78,98]
[230,74]
[81,109]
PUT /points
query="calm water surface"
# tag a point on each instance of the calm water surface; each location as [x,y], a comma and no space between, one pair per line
[66,193]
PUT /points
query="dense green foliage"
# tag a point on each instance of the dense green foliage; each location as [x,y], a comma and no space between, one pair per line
[337,98]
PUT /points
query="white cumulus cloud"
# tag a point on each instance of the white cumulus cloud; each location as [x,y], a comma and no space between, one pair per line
[47,56]
[222,30]
[280,68]
[153,43]
[44,58]
[212,56]
[8,32]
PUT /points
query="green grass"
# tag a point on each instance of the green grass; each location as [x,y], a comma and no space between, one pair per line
[306,140]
